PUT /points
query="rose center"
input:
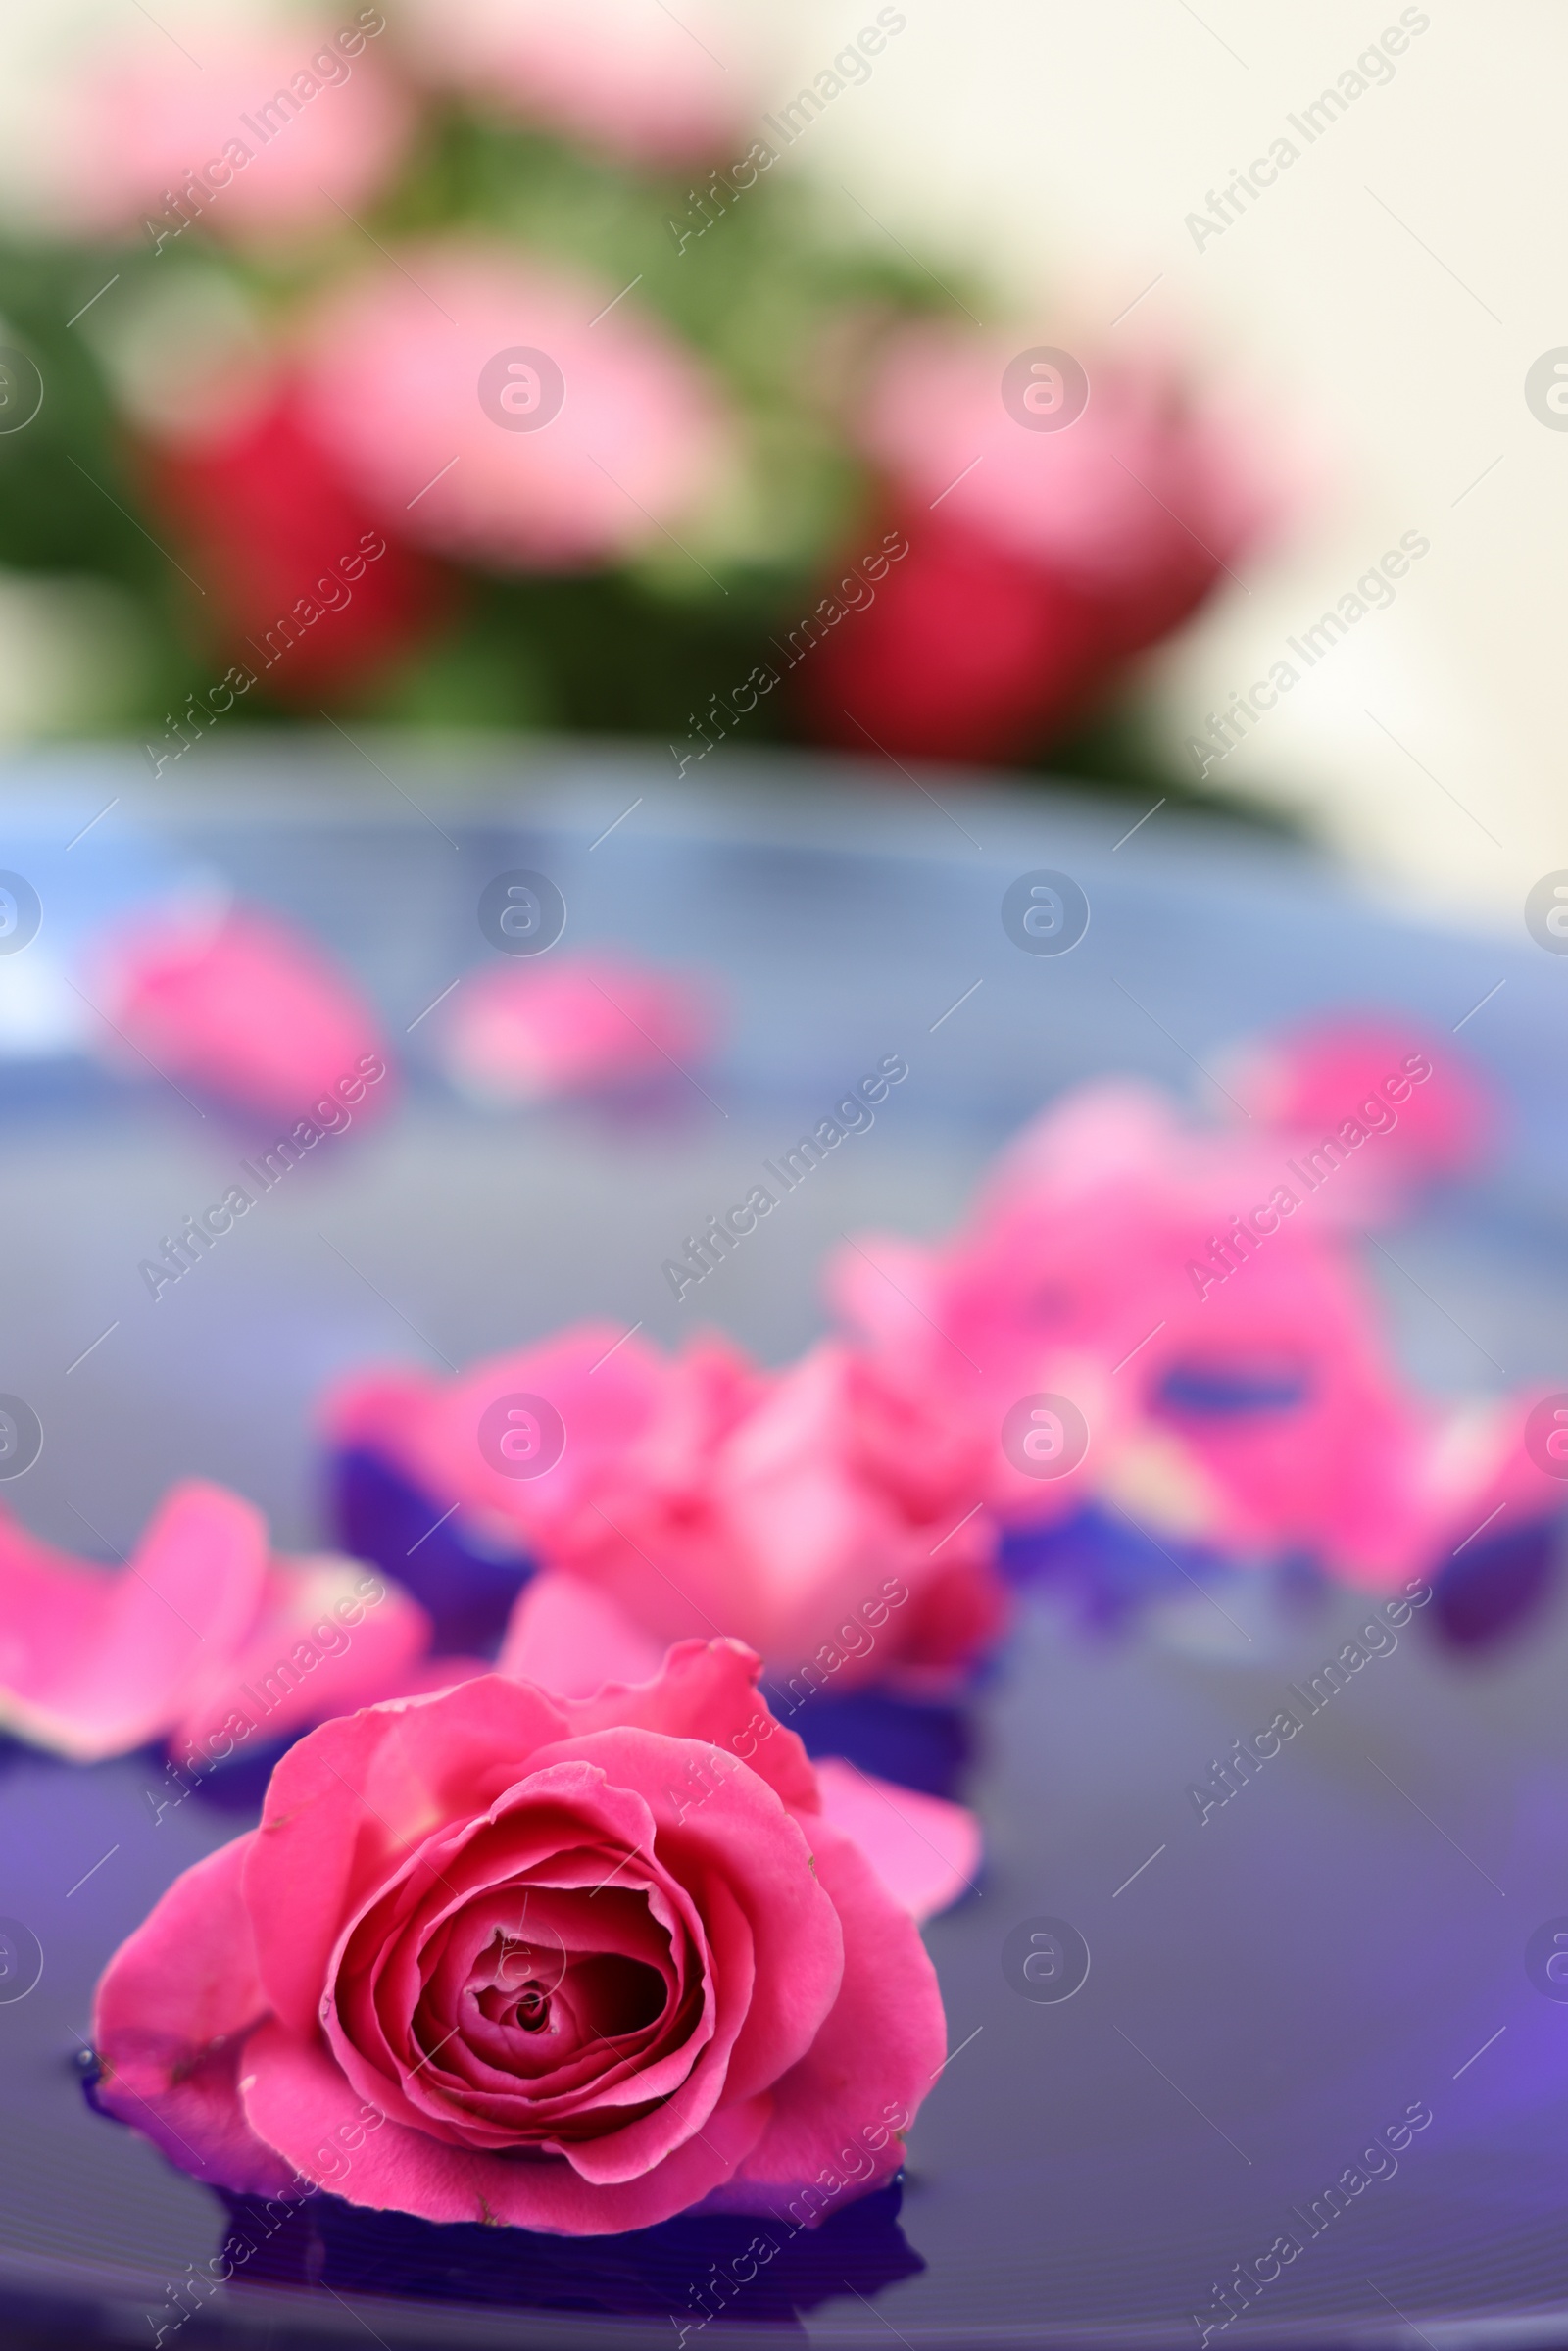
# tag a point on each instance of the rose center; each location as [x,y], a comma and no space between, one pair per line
[532,2009]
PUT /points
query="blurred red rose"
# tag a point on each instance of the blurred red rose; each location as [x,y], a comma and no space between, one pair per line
[1039,559]
[284,549]
[967,652]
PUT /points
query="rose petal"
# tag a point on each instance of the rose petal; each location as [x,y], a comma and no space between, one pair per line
[299,1663]
[169,2026]
[708,1690]
[718,1821]
[868,2067]
[633,2149]
[574,1025]
[300,2102]
[248,1008]
[351,1798]
[924,1850]
[140,1640]
[570,1639]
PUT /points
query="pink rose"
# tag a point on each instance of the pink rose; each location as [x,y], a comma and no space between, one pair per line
[243,1006]
[823,1515]
[1038,562]
[571,1966]
[273,134]
[394,389]
[634,81]
[1147,495]
[580,1024]
[204,1640]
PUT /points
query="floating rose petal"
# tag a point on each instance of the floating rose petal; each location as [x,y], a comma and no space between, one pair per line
[925,1850]
[201,1627]
[1422,1099]
[585,1024]
[571,1639]
[1202,1298]
[243,1006]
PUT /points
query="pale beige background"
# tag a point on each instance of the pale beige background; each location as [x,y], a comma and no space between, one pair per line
[1069,141]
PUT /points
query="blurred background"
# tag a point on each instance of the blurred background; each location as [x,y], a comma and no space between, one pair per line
[1136,395]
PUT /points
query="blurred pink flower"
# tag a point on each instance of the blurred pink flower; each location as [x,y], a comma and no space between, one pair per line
[577,1025]
[411,380]
[1146,495]
[203,1632]
[245,1007]
[702,1492]
[270,134]
[1040,561]
[1210,1316]
[1426,1101]
[625,77]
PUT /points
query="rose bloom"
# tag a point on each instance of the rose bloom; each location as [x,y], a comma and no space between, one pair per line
[392,388]
[1111,499]
[305,596]
[826,1514]
[1040,561]
[327,130]
[572,1966]
[244,1006]
[616,75]
[968,651]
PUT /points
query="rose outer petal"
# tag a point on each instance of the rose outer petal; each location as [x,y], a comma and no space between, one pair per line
[924,1850]
[348,1801]
[708,1690]
[297,2099]
[170,2025]
[868,2067]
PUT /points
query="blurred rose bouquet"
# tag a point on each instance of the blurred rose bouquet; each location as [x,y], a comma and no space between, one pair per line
[493,365]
